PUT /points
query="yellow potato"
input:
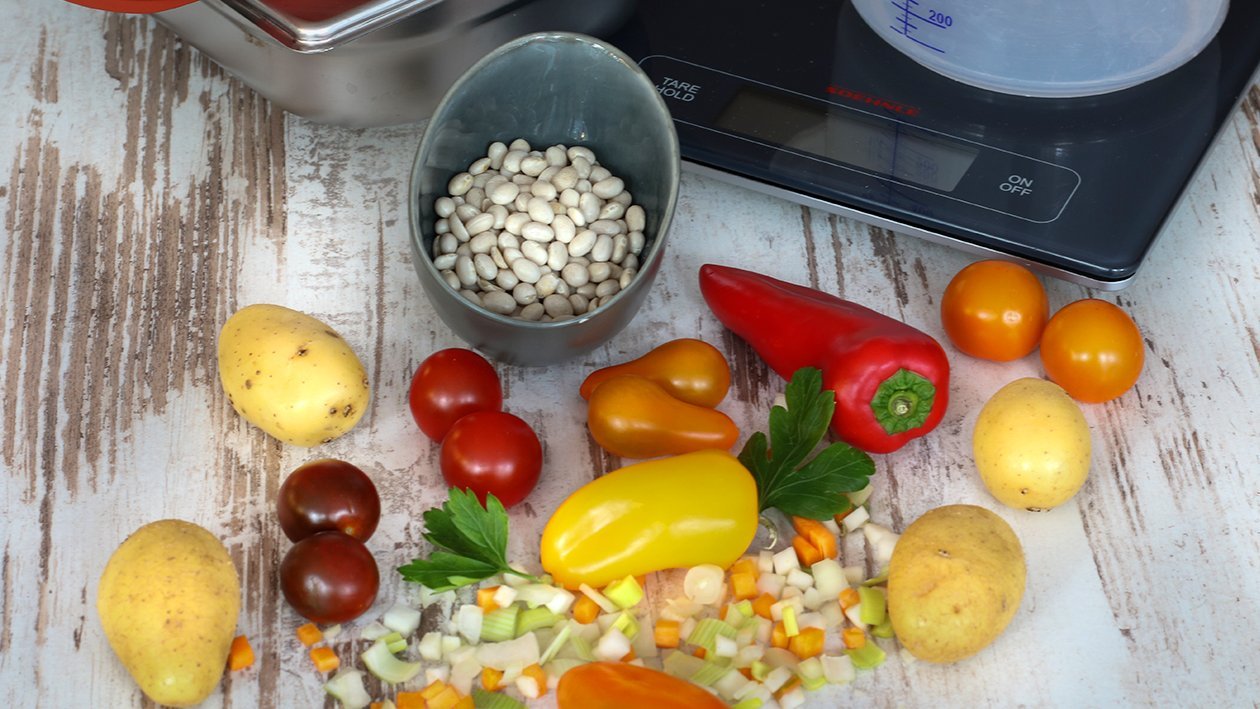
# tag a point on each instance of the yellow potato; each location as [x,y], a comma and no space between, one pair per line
[169,599]
[1032,445]
[291,375]
[955,580]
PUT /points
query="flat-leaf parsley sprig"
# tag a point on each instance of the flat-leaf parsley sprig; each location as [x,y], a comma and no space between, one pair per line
[470,543]
[785,479]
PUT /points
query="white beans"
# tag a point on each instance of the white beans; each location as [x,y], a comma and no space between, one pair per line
[538,234]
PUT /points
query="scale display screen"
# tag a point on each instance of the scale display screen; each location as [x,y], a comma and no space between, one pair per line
[885,147]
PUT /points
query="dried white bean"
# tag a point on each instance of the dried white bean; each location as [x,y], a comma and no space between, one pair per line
[521,203]
[565,178]
[515,221]
[599,272]
[522,180]
[511,255]
[581,151]
[466,212]
[457,228]
[602,250]
[612,210]
[535,252]
[534,231]
[579,302]
[480,223]
[524,294]
[497,256]
[557,156]
[500,216]
[486,267]
[479,166]
[583,185]
[582,243]
[508,240]
[499,302]
[543,189]
[504,192]
[539,210]
[465,271]
[608,187]
[547,174]
[519,144]
[525,270]
[442,226]
[495,152]
[637,242]
[607,289]
[614,271]
[575,215]
[575,275]
[547,284]
[630,261]
[444,207]
[460,184]
[482,242]
[506,279]
[621,247]
[480,181]
[626,277]
[590,204]
[445,262]
[624,197]
[512,160]
[471,296]
[586,289]
[533,165]
[636,219]
[582,167]
[474,197]
[463,250]
[451,279]
[569,197]
[557,255]
[563,228]
[599,172]
[532,312]
[447,243]
[557,305]
[602,226]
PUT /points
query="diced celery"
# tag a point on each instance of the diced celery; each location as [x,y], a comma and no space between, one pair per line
[708,629]
[534,618]
[557,642]
[402,619]
[626,593]
[790,628]
[745,608]
[709,673]
[347,687]
[382,663]
[500,624]
[581,647]
[681,665]
[811,673]
[884,629]
[866,657]
[760,670]
[749,703]
[494,700]
[395,641]
[627,624]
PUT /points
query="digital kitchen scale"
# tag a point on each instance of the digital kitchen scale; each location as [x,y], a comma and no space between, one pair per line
[802,100]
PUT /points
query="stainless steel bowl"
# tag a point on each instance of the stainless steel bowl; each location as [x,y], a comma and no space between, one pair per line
[548,88]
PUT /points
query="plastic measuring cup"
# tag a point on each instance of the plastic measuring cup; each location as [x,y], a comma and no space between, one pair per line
[1048,48]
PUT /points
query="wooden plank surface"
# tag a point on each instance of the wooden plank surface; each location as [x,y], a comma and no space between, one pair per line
[147,195]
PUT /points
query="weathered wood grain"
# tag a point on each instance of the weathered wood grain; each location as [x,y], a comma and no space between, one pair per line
[147,195]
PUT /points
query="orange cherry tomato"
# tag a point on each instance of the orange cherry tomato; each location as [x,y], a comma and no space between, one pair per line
[1093,350]
[689,369]
[995,310]
[634,417]
[618,685]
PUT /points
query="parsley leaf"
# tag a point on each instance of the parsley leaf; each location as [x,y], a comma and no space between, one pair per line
[785,480]
[470,542]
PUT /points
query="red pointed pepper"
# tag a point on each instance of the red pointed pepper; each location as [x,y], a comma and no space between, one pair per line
[891,380]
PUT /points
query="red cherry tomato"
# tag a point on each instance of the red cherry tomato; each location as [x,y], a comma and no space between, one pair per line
[1093,350]
[492,452]
[995,310]
[450,384]
[329,577]
[325,495]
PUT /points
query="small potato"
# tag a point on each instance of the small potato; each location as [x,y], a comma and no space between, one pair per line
[1032,445]
[291,375]
[168,600]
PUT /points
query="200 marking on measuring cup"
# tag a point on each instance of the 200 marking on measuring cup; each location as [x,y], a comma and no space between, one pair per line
[909,12]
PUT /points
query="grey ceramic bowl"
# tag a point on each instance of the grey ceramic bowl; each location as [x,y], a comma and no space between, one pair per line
[548,88]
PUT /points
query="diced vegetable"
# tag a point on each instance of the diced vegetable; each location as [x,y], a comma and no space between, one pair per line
[785,561]
[703,583]
[384,665]
[866,657]
[627,624]
[709,673]
[874,605]
[491,679]
[325,659]
[790,627]
[430,646]
[838,669]
[494,700]
[468,621]
[395,641]
[374,631]
[486,598]
[810,672]
[519,652]
[849,597]
[240,655]
[600,599]
[626,593]
[708,629]
[401,619]
[666,633]
[743,585]
[828,577]
[613,645]
[347,687]
[309,634]
[500,624]
[409,700]
[808,643]
[777,677]
[532,619]
[681,665]
[854,638]
[855,519]
[806,553]
[556,644]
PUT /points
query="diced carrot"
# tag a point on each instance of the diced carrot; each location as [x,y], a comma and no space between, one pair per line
[817,534]
[448,698]
[585,610]
[806,552]
[491,679]
[376,705]
[746,565]
[761,606]
[849,597]
[778,636]
[241,655]
[642,580]
[667,633]
[309,634]
[466,702]
[700,652]
[433,689]
[853,638]
[746,672]
[788,686]
[485,598]
[409,700]
[743,585]
[840,517]
[540,675]
[628,657]
[325,659]
[807,643]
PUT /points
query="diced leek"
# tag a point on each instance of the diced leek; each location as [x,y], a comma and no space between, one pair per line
[790,628]
[557,642]
[626,593]
[500,624]
[581,647]
[778,677]
[431,646]
[532,619]
[494,700]
[401,619]
[627,624]
[709,673]
[811,673]
[730,685]
[749,703]
[884,629]
[382,663]
[600,599]
[745,608]
[557,667]
[519,652]
[708,629]
[760,670]
[866,657]
[373,631]
[347,687]
[877,580]
[681,665]
[394,641]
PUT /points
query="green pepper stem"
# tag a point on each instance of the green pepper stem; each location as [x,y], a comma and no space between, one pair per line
[903,401]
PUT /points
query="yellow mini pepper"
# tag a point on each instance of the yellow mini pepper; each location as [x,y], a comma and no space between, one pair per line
[680,511]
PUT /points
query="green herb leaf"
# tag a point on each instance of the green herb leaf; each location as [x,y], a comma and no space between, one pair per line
[816,488]
[471,543]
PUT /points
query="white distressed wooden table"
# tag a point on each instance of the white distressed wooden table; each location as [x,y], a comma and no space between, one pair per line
[146,195]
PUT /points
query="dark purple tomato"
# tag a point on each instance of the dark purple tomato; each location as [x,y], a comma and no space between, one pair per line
[329,578]
[326,495]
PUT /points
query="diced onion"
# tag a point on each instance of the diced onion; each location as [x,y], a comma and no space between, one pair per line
[703,584]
